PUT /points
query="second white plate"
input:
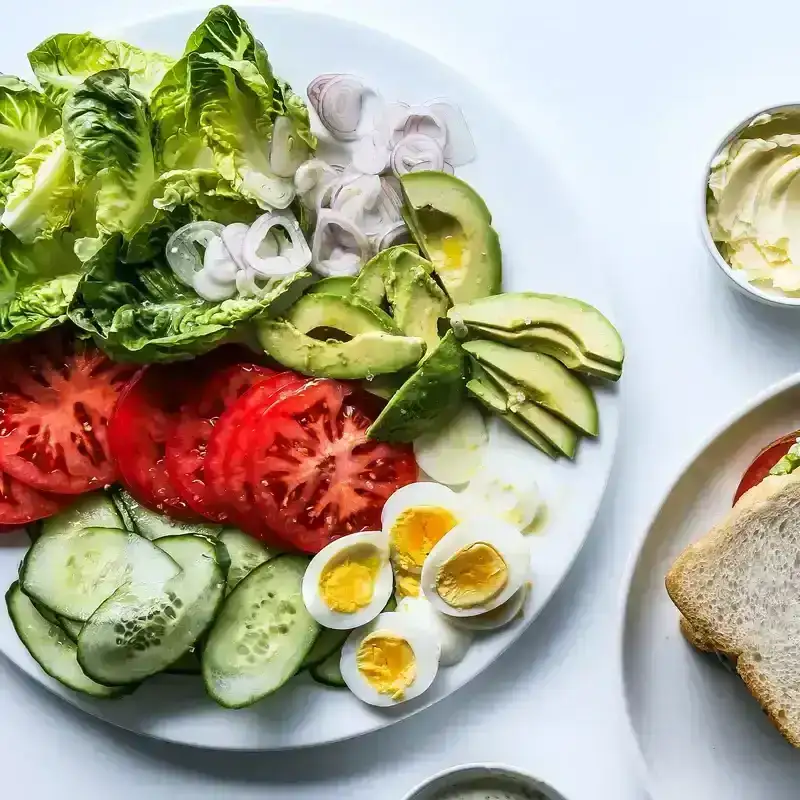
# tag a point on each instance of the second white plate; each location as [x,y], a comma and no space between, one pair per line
[699,731]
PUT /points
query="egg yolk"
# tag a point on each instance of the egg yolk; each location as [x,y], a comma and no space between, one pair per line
[387,663]
[347,582]
[415,532]
[473,576]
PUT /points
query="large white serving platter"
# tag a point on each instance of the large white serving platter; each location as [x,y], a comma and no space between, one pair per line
[699,732]
[544,250]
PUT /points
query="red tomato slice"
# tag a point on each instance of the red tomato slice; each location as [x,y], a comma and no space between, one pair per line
[20,504]
[226,472]
[315,474]
[764,462]
[57,394]
[187,448]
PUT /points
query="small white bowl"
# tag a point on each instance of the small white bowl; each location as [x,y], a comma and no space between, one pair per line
[772,297]
[497,777]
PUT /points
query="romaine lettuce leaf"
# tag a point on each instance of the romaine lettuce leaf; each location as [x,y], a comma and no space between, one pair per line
[26,116]
[291,105]
[43,194]
[143,313]
[107,130]
[64,61]
[37,283]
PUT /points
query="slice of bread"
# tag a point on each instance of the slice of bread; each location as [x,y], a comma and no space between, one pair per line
[738,589]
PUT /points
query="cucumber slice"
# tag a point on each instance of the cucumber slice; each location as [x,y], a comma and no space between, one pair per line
[54,651]
[261,636]
[328,641]
[328,671]
[245,554]
[95,510]
[153,525]
[71,627]
[73,574]
[139,632]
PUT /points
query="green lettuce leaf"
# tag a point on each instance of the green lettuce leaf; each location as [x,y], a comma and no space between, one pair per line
[291,105]
[143,313]
[26,116]
[64,61]
[37,283]
[43,194]
[107,130]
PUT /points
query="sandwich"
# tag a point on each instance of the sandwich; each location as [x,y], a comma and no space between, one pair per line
[738,590]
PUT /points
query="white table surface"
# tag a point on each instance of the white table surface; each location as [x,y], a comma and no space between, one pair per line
[634,99]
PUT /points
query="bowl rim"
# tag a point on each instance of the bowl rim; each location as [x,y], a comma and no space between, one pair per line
[482,769]
[739,280]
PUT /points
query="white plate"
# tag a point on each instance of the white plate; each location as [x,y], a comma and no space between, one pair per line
[699,731]
[543,250]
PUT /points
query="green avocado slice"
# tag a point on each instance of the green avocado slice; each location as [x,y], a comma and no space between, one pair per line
[453,227]
[349,315]
[370,285]
[524,311]
[418,303]
[339,284]
[544,380]
[365,355]
[430,397]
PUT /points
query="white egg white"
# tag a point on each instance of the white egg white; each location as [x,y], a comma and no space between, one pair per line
[426,656]
[498,617]
[453,642]
[382,588]
[500,489]
[504,538]
[420,495]
[453,454]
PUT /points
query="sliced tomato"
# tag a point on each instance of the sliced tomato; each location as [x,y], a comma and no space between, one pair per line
[187,448]
[315,474]
[764,462]
[57,394]
[226,471]
[20,504]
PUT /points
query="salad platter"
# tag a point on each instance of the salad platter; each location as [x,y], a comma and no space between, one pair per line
[305,410]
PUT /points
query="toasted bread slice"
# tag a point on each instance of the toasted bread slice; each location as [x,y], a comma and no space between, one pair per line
[738,589]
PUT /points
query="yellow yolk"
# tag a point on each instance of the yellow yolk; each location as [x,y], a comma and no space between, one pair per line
[387,663]
[473,576]
[347,582]
[406,585]
[414,534]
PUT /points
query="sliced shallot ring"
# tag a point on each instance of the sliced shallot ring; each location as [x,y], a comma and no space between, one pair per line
[341,260]
[181,252]
[396,234]
[460,147]
[371,153]
[218,262]
[338,101]
[425,121]
[211,289]
[296,257]
[233,236]
[416,152]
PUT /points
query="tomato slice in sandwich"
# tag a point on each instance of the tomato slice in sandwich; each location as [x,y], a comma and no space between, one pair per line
[764,462]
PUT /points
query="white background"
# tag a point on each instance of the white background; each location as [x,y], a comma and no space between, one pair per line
[632,100]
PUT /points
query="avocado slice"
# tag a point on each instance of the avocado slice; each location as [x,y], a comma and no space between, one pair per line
[560,435]
[547,382]
[430,397]
[365,355]
[553,343]
[418,303]
[349,315]
[519,311]
[453,227]
[488,395]
[385,386]
[339,284]
[370,285]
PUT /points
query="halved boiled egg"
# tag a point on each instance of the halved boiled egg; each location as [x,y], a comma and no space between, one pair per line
[453,642]
[348,583]
[497,617]
[504,491]
[389,661]
[475,567]
[414,519]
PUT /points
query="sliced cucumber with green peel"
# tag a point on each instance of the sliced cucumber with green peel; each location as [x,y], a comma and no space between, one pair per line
[328,672]
[153,525]
[137,633]
[329,641]
[261,635]
[95,510]
[73,573]
[71,627]
[50,646]
[245,553]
